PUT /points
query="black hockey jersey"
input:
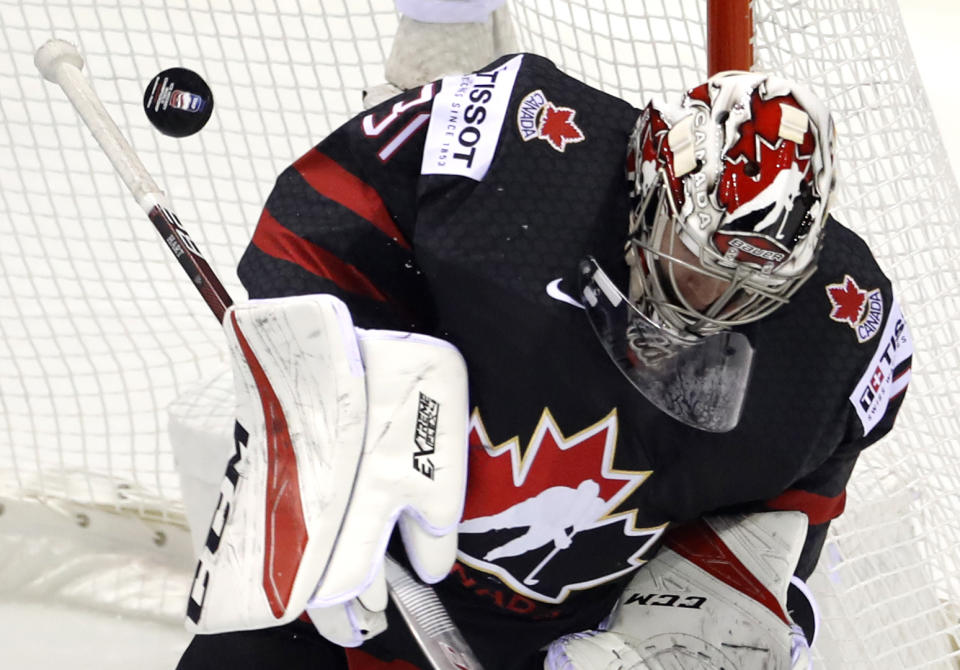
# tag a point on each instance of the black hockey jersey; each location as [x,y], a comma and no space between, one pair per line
[461,210]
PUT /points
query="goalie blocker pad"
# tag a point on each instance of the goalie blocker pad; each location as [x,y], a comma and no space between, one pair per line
[337,437]
[713,597]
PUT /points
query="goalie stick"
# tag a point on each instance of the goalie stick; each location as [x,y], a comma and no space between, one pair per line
[60,62]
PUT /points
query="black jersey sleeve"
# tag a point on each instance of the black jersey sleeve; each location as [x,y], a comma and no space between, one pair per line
[874,397]
[822,495]
[340,219]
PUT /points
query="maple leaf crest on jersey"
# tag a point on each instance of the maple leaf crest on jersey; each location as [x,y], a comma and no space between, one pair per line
[539,118]
[552,503]
[860,309]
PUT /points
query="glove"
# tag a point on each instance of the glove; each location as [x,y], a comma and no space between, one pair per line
[354,622]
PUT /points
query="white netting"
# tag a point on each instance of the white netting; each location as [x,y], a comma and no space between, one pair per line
[894,559]
[100,332]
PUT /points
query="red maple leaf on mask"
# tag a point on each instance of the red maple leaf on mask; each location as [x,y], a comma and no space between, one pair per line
[558,128]
[847,299]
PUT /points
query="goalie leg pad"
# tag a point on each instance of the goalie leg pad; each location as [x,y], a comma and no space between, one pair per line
[447,11]
[438,41]
[592,650]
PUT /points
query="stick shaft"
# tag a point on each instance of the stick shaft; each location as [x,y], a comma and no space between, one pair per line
[124,159]
[428,621]
[65,72]
[193,263]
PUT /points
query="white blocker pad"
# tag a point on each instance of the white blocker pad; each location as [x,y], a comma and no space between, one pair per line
[713,597]
[295,470]
[301,416]
[200,425]
[414,465]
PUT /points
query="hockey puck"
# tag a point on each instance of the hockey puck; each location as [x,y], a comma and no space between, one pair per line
[178,102]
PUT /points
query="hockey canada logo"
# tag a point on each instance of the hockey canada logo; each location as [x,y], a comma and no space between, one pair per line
[550,522]
[861,310]
[538,118]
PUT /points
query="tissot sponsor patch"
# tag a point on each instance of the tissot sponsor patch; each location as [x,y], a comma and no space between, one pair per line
[538,118]
[881,380]
[861,309]
[466,120]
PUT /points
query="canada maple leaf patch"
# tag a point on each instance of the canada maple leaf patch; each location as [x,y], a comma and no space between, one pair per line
[557,127]
[860,309]
[538,118]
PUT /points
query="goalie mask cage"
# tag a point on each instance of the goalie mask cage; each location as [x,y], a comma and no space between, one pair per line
[101,337]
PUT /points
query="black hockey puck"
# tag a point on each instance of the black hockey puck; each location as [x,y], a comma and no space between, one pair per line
[178,102]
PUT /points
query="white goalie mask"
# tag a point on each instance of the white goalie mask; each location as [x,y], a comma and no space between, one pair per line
[733,184]
[731,189]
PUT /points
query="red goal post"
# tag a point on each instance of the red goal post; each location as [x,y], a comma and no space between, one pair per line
[729,35]
[95,359]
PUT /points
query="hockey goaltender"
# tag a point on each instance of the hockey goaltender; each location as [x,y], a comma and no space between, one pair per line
[605,370]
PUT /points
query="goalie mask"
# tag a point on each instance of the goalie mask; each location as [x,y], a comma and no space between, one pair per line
[730,193]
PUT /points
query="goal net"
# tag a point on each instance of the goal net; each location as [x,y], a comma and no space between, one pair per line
[101,335]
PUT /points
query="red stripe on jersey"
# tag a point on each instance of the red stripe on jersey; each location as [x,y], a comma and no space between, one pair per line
[331,181]
[275,240]
[900,383]
[699,543]
[285,532]
[819,509]
[361,660]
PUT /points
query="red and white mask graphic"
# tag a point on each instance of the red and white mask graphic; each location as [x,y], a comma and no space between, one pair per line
[740,173]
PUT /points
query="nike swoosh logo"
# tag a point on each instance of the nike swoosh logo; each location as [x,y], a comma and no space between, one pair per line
[553,290]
